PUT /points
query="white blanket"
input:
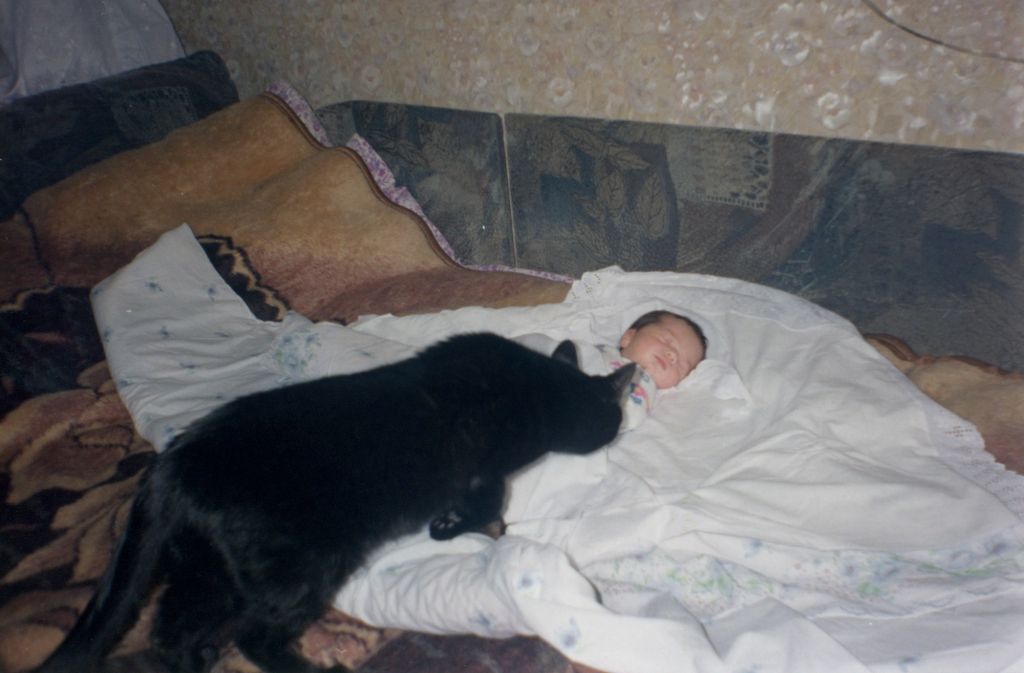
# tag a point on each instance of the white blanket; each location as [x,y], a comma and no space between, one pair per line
[795,505]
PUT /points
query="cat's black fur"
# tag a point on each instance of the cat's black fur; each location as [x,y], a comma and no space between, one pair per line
[257,514]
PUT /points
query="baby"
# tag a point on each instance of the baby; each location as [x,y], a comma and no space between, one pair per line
[667,347]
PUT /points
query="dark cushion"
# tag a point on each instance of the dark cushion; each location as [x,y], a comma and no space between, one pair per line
[47,137]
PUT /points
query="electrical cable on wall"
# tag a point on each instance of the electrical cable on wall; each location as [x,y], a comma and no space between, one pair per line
[877,10]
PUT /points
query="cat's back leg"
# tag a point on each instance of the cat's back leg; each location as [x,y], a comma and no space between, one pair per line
[285,592]
[273,649]
[196,607]
[268,634]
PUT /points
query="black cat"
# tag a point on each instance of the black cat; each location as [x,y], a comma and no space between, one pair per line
[257,513]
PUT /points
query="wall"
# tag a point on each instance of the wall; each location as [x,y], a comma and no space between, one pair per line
[834,68]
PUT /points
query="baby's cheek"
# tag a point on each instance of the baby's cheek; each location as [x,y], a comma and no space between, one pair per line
[665,378]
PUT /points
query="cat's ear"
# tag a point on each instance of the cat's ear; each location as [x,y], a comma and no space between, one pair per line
[566,352]
[622,377]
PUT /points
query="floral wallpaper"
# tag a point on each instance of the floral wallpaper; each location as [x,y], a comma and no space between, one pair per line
[936,72]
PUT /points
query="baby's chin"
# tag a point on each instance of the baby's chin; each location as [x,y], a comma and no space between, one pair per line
[663,383]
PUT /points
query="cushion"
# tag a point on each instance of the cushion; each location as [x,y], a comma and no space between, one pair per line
[48,136]
[310,219]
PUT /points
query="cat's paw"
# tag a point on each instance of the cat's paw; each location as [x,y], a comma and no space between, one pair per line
[494,529]
[448,525]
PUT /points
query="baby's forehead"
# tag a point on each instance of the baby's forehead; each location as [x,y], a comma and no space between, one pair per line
[671,322]
[681,330]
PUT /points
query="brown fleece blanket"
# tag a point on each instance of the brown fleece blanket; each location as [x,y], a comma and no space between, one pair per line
[291,225]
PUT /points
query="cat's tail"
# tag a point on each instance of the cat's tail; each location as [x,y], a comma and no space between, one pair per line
[120,593]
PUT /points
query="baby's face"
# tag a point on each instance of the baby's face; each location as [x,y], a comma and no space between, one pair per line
[668,350]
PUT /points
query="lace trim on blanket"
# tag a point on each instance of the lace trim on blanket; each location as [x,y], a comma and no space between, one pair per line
[962,447]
